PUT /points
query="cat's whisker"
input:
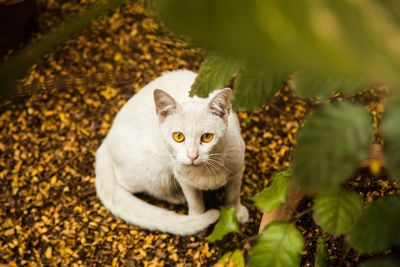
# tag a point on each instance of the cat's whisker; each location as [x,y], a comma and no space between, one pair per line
[214,169]
[213,161]
[222,155]
[209,173]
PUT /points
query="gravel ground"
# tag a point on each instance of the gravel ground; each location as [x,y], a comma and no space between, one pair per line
[50,215]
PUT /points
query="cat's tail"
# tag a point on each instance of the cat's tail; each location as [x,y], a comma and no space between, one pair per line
[133,210]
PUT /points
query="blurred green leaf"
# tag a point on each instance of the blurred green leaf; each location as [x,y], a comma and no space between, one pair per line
[18,64]
[321,257]
[393,7]
[345,252]
[337,210]
[381,262]
[333,141]
[391,133]
[226,224]
[308,84]
[216,24]
[378,227]
[231,259]
[343,38]
[215,73]
[274,195]
[253,87]
[279,245]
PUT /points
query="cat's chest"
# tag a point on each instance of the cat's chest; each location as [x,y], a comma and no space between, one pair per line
[203,178]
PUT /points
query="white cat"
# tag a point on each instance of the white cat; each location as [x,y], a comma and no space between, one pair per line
[163,142]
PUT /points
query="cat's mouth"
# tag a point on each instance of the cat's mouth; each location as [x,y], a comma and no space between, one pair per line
[192,164]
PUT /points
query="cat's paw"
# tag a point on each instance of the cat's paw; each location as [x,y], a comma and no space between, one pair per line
[176,199]
[242,214]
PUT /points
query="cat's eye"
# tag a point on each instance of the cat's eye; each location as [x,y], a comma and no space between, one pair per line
[207,137]
[178,137]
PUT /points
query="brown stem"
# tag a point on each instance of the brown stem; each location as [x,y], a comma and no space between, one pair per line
[375,156]
[284,212]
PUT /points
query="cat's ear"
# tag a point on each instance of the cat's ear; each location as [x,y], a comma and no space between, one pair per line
[220,104]
[165,104]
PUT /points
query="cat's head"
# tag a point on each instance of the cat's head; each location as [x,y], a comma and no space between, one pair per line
[191,130]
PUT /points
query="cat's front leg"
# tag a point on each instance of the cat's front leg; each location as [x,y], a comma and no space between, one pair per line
[194,198]
[232,198]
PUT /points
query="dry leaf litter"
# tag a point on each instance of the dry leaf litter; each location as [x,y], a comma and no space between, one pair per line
[50,215]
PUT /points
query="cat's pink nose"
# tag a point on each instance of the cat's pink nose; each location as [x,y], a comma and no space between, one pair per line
[193,157]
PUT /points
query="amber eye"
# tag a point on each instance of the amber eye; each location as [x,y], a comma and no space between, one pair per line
[207,137]
[178,137]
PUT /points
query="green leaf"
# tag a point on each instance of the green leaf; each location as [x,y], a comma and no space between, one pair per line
[308,84]
[334,139]
[345,252]
[391,133]
[337,210]
[231,259]
[279,245]
[381,262]
[253,87]
[226,224]
[378,227]
[274,195]
[222,24]
[215,73]
[321,258]
[344,38]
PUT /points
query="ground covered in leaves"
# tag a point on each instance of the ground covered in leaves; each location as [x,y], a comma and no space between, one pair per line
[49,212]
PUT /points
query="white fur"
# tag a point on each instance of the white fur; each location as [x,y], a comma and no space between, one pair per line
[139,155]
